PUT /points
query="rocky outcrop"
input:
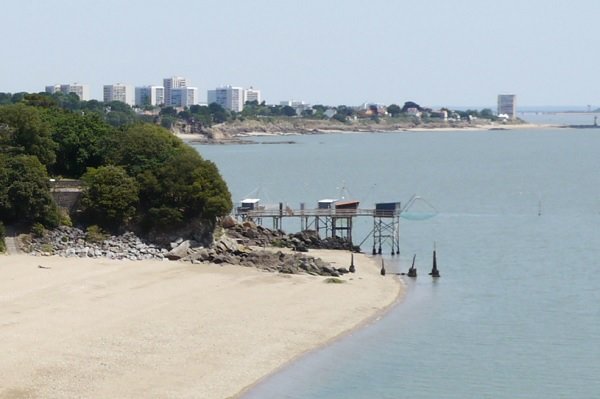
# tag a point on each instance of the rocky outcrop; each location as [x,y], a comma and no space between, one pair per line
[71,242]
[236,246]
[256,235]
[230,251]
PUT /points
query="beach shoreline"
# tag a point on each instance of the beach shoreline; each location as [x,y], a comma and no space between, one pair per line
[101,328]
[247,136]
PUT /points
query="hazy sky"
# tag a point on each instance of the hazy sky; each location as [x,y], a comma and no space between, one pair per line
[435,52]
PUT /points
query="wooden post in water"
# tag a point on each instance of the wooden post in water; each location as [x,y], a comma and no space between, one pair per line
[434,271]
[412,272]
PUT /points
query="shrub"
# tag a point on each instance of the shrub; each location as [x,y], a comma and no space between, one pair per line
[95,234]
[38,230]
[64,218]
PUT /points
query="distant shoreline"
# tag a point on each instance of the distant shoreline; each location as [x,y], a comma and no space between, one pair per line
[236,136]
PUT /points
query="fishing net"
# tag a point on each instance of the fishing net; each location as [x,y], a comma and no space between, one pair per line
[418,209]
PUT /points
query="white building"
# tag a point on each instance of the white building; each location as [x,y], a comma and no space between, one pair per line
[82,91]
[149,95]
[228,97]
[119,92]
[184,96]
[507,105]
[252,94]
[172,83]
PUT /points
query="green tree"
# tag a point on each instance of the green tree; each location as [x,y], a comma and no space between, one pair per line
[143,147]
[81,140]
[110,197]
[28,132]
[184,187]
[201,113]
[487,113]
[319,111]
[218,113]
[286,110]
[25,191]
[394,110]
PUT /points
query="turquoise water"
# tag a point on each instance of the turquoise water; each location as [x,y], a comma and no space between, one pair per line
[516,312]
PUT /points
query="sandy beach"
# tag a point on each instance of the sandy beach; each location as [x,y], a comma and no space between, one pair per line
[85,328]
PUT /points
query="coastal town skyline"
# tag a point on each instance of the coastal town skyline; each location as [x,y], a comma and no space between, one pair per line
[334,53]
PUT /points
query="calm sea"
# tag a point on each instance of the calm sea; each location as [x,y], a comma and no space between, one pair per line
[516,313]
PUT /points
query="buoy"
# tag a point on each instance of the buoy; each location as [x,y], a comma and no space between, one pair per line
[434,271]
[412,272]
[382,268]
[352,269]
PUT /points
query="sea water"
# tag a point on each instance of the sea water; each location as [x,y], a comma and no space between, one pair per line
[516,313]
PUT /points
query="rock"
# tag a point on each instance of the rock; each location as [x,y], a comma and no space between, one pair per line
[180,251]
[228,222]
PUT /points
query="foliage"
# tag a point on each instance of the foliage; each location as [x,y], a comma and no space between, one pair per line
[410,104]
[28,133]
[110,196]
[38,230]
[394,110]
[184,187]
[167,121]
[64,218]
[81,140]
[218,113]
[95,234]
[343,112]
[286,110]
[25,191]
[143,147]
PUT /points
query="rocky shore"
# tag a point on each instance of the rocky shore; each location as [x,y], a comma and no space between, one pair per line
[244,244]
[238,131]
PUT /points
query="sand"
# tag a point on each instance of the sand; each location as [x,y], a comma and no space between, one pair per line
[84,328]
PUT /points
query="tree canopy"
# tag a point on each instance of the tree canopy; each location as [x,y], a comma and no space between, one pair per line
[137,174]
[25,191]
[110,197]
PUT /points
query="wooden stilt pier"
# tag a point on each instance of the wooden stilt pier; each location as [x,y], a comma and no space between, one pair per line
[332,218]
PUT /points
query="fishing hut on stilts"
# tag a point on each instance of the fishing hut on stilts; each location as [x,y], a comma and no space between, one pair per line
[336,218]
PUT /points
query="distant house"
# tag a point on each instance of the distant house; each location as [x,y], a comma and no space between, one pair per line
[413,111]
[329,112]
[442,114]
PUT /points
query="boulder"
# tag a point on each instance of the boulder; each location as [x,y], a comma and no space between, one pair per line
[180,251]
[228,222]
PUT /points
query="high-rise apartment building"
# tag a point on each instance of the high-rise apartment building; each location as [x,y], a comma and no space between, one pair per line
[252,94]
[507,105]
[184,96]
[149,95]
[82,91]
[172,83]
[119,92]
[228,97]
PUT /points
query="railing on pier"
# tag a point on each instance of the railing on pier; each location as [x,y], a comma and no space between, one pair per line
[341,213]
